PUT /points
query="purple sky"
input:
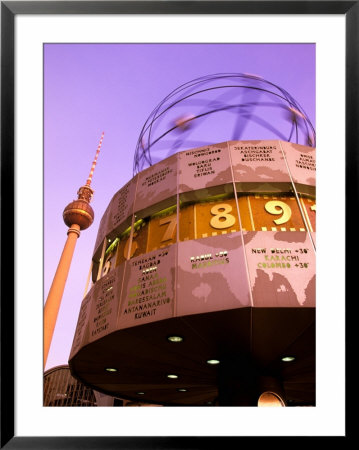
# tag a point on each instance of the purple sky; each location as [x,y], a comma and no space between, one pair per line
[90,88]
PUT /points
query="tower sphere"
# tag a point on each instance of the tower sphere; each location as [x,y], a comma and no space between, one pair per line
[78,212]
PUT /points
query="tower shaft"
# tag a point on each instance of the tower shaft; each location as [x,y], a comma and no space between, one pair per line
[53,301]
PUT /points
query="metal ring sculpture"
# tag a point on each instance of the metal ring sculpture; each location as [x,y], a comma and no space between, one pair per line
[180,113]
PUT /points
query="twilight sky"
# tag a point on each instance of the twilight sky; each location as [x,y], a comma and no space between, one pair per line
[90,88]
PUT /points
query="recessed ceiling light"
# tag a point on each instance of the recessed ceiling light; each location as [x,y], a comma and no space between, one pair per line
[212,361]
[175,338]
[288,358]
[172,376]
[182,390]
[110,369]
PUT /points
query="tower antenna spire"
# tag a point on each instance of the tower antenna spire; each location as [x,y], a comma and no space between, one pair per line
[86,192]
[89,179]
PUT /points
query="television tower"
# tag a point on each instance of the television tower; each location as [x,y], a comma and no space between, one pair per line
[78,215]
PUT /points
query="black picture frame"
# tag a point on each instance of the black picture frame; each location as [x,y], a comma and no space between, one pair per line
[9,9]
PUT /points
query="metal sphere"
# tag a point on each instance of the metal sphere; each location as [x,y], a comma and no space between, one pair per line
[78,212]
[217,108]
